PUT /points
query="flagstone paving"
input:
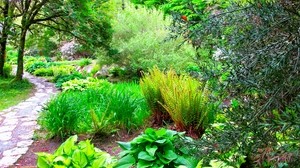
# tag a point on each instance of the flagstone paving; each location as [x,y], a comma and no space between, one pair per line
[17,123]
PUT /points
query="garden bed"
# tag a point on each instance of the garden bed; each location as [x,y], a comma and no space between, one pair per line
[105,143]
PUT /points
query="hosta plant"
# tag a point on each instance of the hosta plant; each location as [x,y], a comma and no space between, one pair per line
[80,155]
[154,148]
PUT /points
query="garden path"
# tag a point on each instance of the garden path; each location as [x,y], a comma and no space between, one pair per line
[17,123]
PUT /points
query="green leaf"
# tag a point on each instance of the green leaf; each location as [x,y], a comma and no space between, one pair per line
[161,132]
[161,141]
[64,160]
[67,146]
[170,155]
[80,158]
[144,163]
[145,156]
[188,162]
[98,162]
[126,162]
[59,166]
[125,145]
[87,148]
[162,159]
[42,162]
[151,149]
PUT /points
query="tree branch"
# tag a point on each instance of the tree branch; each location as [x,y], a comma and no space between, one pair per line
[49,18]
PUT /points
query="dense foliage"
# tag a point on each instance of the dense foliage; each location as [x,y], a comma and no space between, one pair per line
[140,42]
[252,49]
[70,154]
[100,109]
[155,148]
[180,98]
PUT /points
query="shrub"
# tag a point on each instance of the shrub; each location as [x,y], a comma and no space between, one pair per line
[150,85]
[60,79]
[142,44]
[83,84]
[59,70]
[70,154]
[154,148]
[31,67]
[43,72]
[95,69]
[7,70]
[84,62]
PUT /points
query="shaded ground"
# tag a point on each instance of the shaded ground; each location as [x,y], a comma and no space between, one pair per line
[108,144]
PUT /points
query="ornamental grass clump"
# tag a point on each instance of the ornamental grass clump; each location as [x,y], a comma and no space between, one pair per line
[150,85]
[187,102]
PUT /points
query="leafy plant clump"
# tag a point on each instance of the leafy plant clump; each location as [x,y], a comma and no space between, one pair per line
[60,79]
[150,85]
[80,155]
[43,72]
[84,62]
[32,66]
[7,70]
[184,99]
[83,84]
[97,110]
[154,148]
[187,102]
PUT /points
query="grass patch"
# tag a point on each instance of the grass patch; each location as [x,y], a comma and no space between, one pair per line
[11,93]
[99,110]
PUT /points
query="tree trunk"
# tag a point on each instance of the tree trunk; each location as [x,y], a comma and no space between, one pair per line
[3,40]
[20,68]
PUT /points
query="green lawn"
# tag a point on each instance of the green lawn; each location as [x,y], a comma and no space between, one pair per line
[11,93]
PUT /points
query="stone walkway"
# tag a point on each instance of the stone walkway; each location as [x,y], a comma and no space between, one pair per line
[17,123]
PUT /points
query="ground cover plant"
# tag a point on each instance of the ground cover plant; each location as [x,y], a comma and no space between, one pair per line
[12,92]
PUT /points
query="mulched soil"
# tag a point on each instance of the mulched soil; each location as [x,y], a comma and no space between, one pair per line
[105,143]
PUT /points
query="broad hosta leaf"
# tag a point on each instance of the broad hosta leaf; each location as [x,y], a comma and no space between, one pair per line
[126,162]
[67,146]
[65,160]
[161,132]
[145,156]
[87,148]
[144,163]
[161,141]
[80,158]
[151,149]
[189,163]
[170,155]
[42,162]
[59,166]
[124,145]
[162,159]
